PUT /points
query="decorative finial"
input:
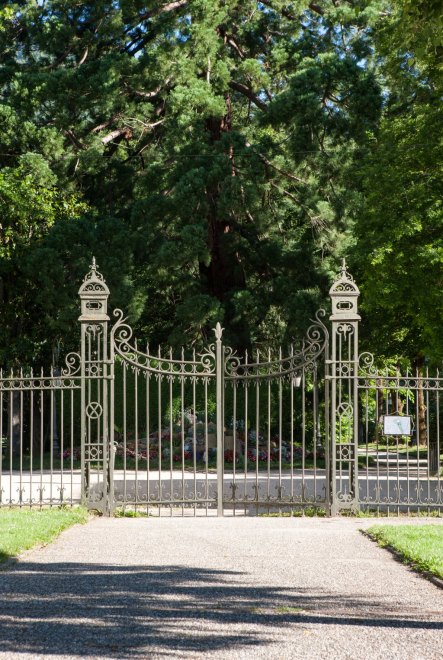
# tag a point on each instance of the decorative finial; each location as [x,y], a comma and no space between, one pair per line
[218,331]
[94,265]
[343,265]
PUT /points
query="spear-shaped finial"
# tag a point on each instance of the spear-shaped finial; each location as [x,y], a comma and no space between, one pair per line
[218,330]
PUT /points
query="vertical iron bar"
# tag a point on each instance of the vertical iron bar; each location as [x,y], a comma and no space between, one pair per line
[315,423]
[21,443]
[367,442]
[31,443]
[377,447]
[257,429]
[437,406]
[171,452]
[51,438]
[42,441]
[125,448]
[1,441]
[136,448]
[148,439]
[234,431]
[268,476]
[182,402]
[71,446]
[303,437]
[82,415]
[206,445]
[62,440]
[428,442]
[159,425]
[219,371]
[11,441]
[245,483]
[280,431]
[291,431]
[194,433]
[408,495]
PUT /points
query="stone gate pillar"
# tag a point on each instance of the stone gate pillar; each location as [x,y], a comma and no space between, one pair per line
[343,375]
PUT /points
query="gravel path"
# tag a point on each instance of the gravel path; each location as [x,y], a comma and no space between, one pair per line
[217,588]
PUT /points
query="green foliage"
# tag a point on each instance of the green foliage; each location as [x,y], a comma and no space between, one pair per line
[218,159]
[398,254]
[213,136]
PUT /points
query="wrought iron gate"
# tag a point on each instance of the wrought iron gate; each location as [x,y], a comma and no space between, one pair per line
[317,427]
[215,432]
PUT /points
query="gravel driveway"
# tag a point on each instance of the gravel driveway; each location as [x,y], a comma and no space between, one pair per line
[222,588]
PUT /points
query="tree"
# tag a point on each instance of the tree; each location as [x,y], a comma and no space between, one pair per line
[214,133]
[399,222]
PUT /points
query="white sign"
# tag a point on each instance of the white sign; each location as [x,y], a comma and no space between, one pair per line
[396,425]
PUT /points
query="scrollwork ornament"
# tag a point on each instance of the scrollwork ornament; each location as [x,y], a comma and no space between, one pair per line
[366,364]
[345,329]
[94,329]
[121,331]
[313,347]
[231,361]
[207,359]
[73,364]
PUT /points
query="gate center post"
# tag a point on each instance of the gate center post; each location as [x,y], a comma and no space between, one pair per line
[219,373]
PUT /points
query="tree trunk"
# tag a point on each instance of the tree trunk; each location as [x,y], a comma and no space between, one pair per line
[397,401]
[224,273]
[422,431]
[15,422]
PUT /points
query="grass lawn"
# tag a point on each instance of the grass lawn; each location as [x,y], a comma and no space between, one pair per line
[421,546]
[22,529]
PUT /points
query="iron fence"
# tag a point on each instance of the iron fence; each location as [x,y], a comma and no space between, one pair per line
[40,437]
[316,427]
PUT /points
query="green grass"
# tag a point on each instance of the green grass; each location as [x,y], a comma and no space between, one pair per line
[421,546]
[23,529]
[309,512]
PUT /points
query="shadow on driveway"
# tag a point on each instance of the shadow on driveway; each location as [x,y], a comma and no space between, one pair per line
[113,611]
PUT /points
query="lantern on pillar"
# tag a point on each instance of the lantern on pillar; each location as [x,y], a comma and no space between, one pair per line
[344,297]
[94,295]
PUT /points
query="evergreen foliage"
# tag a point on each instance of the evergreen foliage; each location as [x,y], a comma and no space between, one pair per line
[219,158]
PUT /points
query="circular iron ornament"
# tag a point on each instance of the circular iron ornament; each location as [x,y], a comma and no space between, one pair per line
[345,453]
[94,410]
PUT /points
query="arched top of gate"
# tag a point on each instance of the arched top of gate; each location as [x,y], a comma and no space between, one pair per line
[201,365]
[289,366]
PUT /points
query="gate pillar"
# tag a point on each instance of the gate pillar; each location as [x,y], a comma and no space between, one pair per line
[96,468]
[343,375]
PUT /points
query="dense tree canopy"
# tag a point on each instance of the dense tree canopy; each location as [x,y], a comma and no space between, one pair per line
[219,158]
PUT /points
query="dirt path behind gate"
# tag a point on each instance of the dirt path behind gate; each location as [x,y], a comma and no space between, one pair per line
[222,588]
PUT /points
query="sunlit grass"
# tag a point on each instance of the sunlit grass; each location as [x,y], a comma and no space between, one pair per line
[419,545]
[23,529]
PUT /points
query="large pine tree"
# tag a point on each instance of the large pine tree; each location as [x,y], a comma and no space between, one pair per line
[209,137]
